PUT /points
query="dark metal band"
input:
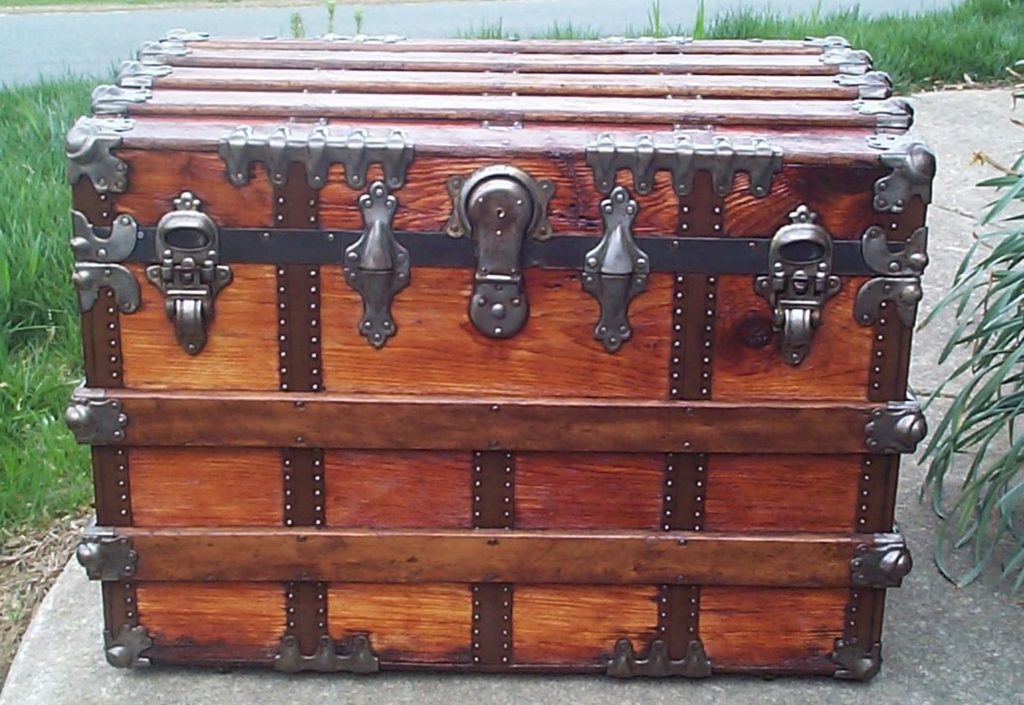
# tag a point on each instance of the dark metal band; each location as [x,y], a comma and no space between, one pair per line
[111,485]
[492,485]
[876,494]
[303,474]
[694,302]
[306,607]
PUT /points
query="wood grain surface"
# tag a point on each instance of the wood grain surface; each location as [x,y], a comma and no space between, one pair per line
[241,346]
[588,491]
[783,628]
[781,492]
[398,489]
[427,623]
[747,364]
[561,624]
[206,487]
[437,350]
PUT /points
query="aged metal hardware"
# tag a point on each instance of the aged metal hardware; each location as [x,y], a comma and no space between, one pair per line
[895,428]
[625,663]
[801,281]
[95,421]
[674,39]
[892,113]
[882,564]
[89,147]
[106,556]
[125,650]
[910,260]
[114,100]
[363,38]
[376,265]
[135,74]
[615,272]
[90,277]
[873,85]
[913,169]
[683,158]
[499,207]
[316,151]
[847,60]
[830,42]
[184,35]
[353,656]
[856,662]
[188,275]
[116,246]
[904,292]
[160,52]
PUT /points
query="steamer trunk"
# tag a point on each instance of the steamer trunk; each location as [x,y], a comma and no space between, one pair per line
[491,355]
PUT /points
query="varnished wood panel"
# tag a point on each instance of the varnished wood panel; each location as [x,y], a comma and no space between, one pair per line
[427,623]
[241,345]
[780,628]
[588,491]
[221,620]
[156,178]
[398,489]
[560,624]
[206,487]
[747,363]
[781,492]
[437,350]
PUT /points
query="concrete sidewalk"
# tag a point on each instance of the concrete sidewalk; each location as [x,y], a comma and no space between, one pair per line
[942,646]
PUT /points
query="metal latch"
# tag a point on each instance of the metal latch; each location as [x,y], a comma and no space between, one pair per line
[615,272]
[188,275]
[376,265]
[499,207]
[800,262]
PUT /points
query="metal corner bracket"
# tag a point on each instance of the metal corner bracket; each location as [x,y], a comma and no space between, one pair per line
[910,260]
[89,147]
[362,38]
[890,113]
[114,100]
[116,246]
[162,51]
[90,277]
[95,420]
[625,663]
[895,428]
[106,556]
[873,85]
[135,74]
[856,661]
[847,60]
[904,292]
[354,655]
[913,170]
[881,564]
[125,649]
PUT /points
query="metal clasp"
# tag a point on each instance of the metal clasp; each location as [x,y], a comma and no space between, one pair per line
[188,275]
[376,265]
[615,272]
[499,207]
[800,262]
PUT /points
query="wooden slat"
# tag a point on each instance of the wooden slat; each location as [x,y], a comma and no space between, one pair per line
[494,555]
[440,423]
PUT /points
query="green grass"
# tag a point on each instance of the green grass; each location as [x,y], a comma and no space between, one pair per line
[43,473]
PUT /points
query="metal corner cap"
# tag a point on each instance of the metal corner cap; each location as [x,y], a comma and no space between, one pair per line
[89,146]
[184,35]
[895,428]
[115,100]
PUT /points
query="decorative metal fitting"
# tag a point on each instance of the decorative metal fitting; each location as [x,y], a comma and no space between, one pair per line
[376,265]
[895,428]
[890,114]
[873,85]
[90,277]
[856,663]
[161,52]
[675,39]
[135,74]
[89,146]
[882,564]
[909,260]
[125,650]
[184,35]
[624,662]
[353,656]
[913,170]
[829,42]
[188,275]
[904,292]
[95,421]
[683,158]
[106,557]
[615,272]
[363,38]
[847,60]
[116,246]
[801,281]
[114,100]
[499,207]
[316,151]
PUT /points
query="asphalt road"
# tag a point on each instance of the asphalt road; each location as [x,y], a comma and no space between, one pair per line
[48,45]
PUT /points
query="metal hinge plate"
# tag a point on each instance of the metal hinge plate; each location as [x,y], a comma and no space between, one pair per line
[352,656]
[625,663]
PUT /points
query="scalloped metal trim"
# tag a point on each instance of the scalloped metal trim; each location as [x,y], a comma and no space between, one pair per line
[355,655]
[625,663]
[116,246]
[89,147]
[90,277]
[910,260]
[114,100]
[904,292]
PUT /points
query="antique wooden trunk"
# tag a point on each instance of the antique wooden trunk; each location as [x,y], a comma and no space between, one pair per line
[497,355]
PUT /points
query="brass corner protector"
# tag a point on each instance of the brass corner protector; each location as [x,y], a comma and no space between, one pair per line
[89,147]
[881,564]
[354,655]
[125,649]
[114,100]
[625,663]
[856,662]
[106,556]
[96,420]
[913,170]
[895,428]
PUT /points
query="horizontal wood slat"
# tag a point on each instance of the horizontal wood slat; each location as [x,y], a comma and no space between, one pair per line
[495,555]
[407,422]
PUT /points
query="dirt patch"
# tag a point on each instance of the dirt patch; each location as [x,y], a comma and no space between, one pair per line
[30,562]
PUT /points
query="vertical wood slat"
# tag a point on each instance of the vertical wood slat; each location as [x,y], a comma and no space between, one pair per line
[493,488]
